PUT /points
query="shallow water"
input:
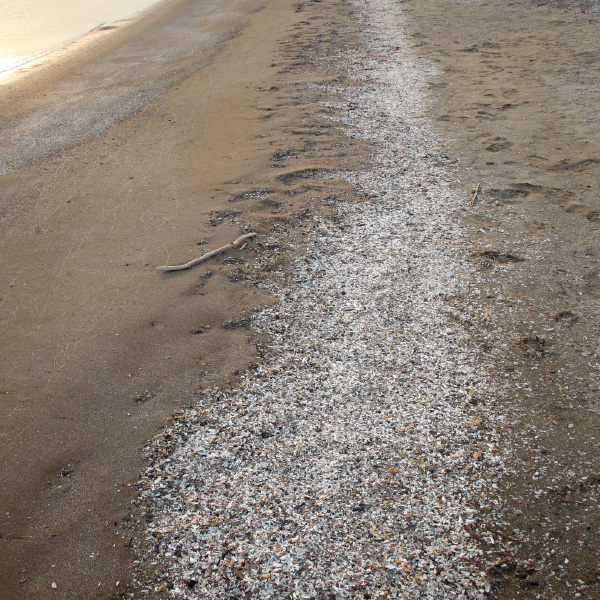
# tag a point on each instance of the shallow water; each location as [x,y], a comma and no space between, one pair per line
[30,28]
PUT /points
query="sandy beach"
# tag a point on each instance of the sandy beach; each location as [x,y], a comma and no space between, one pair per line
[197,123]
[99,349]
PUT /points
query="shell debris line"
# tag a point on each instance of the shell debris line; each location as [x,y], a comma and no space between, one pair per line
[352,462]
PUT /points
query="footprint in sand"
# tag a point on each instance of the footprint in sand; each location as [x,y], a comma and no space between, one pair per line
[567,165]
[499,144]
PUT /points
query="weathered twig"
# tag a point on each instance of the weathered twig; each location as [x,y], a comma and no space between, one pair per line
[501,534]
[474,195]
[193,263]
[497,564]
[473,533]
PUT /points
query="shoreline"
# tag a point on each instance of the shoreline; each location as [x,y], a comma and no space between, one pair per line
[101,80]
[244,135]
[60,49]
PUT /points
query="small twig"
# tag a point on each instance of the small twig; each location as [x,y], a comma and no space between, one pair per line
[501,534]
[196,261]
[497,564]
[225,553]
[473,533]
[474,195]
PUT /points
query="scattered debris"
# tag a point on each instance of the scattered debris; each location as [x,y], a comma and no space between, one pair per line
[499,257]
[349,463]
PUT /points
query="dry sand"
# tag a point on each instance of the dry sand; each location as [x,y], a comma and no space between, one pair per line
[99,350]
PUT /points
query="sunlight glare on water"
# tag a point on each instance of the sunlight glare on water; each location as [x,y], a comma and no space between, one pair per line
[30,28]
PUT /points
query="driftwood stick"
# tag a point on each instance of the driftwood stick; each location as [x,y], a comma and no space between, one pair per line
[474,196]
[196,261]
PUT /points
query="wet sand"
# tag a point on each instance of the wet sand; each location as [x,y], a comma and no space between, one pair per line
[99,349]
[74,94]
